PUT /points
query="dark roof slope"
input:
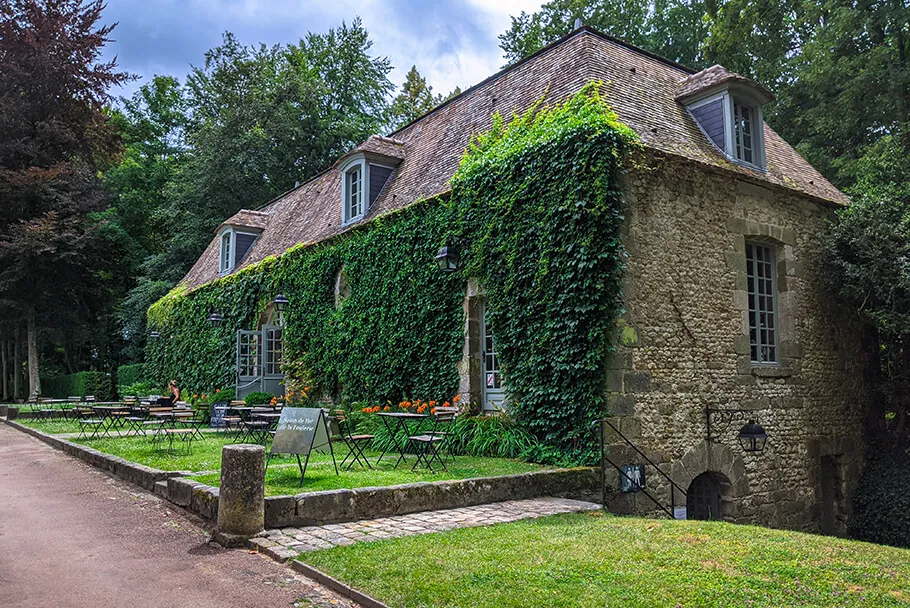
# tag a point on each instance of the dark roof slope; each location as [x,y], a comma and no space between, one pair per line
[641,89]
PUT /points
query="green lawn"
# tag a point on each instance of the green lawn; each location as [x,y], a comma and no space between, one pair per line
[283,475]
[588,560]
[53,426]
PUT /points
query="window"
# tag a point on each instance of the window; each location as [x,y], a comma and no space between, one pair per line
[273,350]
[733,125]
[353,193]
[763,312]
[743,133]
[225,264]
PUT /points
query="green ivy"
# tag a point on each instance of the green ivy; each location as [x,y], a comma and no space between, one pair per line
[536,211]
[540,212]
[399,333]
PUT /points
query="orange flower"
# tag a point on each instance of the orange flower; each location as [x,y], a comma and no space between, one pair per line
[217,391]
[432,403]
[446,404]
[196,396]
[385,409]
[456,399]
[420,409]
[375,409]
[366,410]
[433,411]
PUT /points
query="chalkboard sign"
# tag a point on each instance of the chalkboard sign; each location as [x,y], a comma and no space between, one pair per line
[216,415]
[301,430]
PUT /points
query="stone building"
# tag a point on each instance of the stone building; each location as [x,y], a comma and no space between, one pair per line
[725,308]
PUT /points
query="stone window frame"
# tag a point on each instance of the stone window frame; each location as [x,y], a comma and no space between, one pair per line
[788,273]
[772,310]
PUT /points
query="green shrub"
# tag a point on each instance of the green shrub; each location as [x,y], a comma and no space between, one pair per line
[258,398]
[881,502]
[225,395]
[130,374]
[490,436]
[140,389]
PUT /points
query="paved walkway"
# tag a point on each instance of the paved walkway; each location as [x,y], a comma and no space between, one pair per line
[285,543]
[73,536]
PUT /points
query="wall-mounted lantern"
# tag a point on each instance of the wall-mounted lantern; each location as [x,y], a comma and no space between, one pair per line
[281,302]
[752,437]
[447,259]
[214,318]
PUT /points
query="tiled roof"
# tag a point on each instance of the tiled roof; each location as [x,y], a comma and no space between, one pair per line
[247,218]
[640,87]
[383,146]
[715,76]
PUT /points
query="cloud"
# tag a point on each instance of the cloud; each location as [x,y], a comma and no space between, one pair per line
[451,43]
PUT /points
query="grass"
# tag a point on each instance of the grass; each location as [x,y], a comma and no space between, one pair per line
[53,426]
[283,475]
[599,560]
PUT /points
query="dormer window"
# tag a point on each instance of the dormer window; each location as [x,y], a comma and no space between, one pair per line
[362,179]
[235,243]
[727,108]
[353,193]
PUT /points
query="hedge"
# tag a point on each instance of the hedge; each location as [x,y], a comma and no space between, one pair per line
[78,385]
[130,374]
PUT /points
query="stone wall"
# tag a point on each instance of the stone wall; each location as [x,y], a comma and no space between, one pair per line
[683,346]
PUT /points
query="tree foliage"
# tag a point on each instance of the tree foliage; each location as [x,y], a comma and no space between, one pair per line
[54,138]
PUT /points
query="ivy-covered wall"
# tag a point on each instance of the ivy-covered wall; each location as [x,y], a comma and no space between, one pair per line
[535,210]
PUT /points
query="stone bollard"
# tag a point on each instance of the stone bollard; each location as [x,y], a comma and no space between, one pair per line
[3,410]
[12,413]
[241,501]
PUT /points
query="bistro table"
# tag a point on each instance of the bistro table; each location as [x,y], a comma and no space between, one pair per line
[398,421]
[109,412]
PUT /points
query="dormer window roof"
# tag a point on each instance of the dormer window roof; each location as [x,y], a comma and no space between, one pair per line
[727,108]
[364,173]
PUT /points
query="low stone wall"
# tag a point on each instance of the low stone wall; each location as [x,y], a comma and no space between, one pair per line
[138,474]
[338,506]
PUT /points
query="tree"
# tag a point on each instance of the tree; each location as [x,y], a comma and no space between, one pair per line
[415,99]
[674,29]
[54,137]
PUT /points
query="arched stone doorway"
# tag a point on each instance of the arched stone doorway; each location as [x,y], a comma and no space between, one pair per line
[705,497]
[715,481]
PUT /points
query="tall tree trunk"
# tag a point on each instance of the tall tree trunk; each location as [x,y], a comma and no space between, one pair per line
[4,370]
[34,379]
[17,362]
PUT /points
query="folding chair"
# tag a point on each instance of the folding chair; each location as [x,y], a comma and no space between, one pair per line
[426,444]
[87,420]
[354,443]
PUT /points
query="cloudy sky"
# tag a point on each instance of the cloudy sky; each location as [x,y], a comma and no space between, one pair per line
[451,42]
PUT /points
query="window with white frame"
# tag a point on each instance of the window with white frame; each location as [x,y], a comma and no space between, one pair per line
[225,264]
[763,311]
[744,132]
[353,193]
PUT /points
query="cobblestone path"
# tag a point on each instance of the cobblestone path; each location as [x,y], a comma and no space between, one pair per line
[285,543]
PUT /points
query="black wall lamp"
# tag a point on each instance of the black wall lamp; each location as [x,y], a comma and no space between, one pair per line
[281,302]
[447,259]
[752,437]
[214,318]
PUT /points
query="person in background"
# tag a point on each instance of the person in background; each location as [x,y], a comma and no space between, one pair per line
[173,398]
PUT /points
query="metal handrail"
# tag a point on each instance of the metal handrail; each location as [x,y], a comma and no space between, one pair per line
[603,472]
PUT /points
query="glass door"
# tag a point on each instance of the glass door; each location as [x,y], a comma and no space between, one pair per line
[249,362]
[494,393]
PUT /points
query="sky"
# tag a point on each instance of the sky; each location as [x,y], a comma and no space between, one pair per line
[452,43]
